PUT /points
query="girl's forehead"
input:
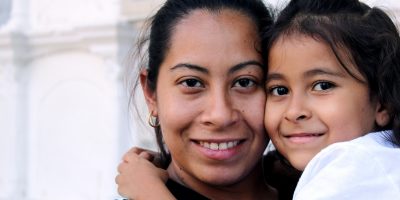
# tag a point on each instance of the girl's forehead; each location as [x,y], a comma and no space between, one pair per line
[297,38]
[287,44]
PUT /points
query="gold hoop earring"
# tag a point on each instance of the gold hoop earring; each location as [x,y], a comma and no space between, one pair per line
[153,121]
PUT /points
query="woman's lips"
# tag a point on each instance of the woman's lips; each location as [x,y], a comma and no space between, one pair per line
[219,150]
[219,146]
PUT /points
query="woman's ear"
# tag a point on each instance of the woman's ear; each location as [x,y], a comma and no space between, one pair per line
[382,117]
[149,94]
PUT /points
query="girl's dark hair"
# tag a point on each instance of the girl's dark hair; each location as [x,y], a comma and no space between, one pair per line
[355,32]
[162,27]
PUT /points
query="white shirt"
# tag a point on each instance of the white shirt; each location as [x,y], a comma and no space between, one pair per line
[364,168]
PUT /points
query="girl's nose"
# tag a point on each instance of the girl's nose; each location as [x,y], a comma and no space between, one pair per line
[297,109]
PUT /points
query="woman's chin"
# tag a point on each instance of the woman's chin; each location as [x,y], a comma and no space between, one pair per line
[223,178]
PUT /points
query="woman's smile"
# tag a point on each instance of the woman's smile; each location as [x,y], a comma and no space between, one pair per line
[220,151]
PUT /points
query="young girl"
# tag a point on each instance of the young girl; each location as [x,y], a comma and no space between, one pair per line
[334,76]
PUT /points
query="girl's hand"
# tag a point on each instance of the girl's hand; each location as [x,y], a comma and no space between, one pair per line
[138,178]
[149,155]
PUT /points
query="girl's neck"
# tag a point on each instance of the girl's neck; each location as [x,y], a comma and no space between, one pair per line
[248,188]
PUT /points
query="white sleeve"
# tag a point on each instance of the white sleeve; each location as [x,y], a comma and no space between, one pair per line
[345,172]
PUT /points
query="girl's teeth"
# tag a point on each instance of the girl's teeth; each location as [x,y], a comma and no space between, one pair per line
[219,146]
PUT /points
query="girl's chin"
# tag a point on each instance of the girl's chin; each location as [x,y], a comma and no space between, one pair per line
[299,164]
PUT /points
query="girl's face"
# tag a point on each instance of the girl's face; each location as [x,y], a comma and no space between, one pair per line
[312,101]
[210,99]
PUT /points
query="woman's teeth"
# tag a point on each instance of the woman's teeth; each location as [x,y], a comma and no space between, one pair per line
[219,146]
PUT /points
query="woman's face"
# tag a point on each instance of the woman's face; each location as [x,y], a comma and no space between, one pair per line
[312,101]
[210,98]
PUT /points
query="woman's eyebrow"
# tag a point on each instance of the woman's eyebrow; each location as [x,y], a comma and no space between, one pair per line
[245,64]
[206,71]
[190,66]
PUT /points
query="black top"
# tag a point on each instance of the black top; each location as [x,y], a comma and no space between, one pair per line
[277,172]
[280,175]
[181,192]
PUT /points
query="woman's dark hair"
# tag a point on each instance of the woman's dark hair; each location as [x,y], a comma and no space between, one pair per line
[162,27]
[355,32]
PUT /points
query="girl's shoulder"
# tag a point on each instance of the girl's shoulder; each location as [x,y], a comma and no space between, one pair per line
[373,145]
[362,166]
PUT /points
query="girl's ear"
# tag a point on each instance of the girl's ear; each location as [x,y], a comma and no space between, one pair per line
[149,94]
[382,117]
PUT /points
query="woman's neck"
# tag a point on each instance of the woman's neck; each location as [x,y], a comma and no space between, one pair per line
[249,187]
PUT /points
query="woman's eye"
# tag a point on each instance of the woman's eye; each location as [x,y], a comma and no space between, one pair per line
[279,91]
[191,83]
[244,82]
[323,86]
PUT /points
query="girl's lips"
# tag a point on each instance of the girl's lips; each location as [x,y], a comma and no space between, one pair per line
[219,150]
[303,138]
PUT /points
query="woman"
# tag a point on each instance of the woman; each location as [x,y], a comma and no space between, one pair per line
[203,85]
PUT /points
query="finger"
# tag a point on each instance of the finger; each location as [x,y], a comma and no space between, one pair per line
[130,157]
[122,167]
[133,150]
[146,155]
[121,191]
[117,179]
[136,150]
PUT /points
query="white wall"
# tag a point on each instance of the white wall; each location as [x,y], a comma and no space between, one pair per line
[64,119]
[72,127]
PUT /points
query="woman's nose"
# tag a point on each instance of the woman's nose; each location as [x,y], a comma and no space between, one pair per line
[220,110]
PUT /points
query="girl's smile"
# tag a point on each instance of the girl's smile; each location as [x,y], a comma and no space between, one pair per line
[312,101]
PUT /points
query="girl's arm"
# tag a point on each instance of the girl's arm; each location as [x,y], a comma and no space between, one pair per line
[139,179]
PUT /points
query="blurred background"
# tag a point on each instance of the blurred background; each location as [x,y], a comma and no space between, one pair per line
[65,120]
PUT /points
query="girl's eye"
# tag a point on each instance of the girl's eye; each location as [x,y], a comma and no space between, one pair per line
[244,82]
[320,86]
[191,83]
[279,91]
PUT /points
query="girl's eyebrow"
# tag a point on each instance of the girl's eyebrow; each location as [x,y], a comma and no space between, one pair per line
[322,71]
[274,76]
[309,73]
[204,70]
